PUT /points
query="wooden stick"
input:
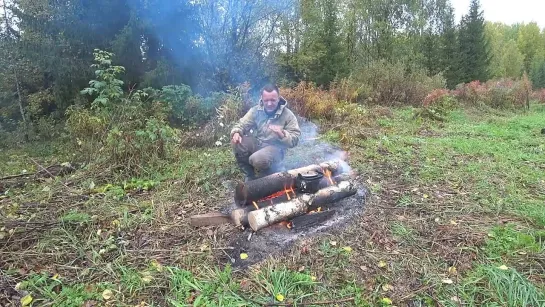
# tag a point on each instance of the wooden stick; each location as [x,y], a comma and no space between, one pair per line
[209,219]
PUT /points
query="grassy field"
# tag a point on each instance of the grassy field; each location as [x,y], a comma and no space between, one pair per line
[456,217]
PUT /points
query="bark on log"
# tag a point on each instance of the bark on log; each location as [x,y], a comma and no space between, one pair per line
[332,194]
[267,216]
[240,216]
[246,193]
[271,215]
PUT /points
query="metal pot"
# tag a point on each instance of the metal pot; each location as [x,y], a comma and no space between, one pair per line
[308,182]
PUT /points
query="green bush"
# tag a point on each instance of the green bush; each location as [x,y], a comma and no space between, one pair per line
[124,131]
[230,108]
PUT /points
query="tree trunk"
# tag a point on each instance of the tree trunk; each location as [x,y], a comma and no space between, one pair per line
[21,109]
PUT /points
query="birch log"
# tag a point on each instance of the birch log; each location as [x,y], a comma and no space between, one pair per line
[271,215]
[332,194]
[267,216]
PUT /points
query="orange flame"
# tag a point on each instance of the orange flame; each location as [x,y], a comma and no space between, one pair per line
[287,193]
[327,174]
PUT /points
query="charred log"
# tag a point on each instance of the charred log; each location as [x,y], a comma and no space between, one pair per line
[312,219]
[326,182]
[246,193]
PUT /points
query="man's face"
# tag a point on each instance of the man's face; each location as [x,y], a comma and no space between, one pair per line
[270,100]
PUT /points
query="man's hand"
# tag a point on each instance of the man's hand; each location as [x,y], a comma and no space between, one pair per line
[278,130]
[236,138]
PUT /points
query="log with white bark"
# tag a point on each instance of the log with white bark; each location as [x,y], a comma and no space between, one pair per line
[274,214]
[333,194]
[240,216]
[267,216]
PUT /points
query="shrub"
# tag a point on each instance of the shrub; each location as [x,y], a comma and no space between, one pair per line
[388,84]
[231,107]
[187,111]
[126,131]
[539,96]
[504,93]
[310,101]
[436,105]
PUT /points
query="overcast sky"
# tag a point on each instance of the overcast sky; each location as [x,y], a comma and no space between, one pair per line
[506,11]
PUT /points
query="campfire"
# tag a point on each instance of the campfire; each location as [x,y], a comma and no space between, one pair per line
[296,198]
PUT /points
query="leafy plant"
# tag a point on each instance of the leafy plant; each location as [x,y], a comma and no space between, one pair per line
[107,87]
[127,131]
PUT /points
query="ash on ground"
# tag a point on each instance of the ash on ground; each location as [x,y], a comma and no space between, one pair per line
[274,239]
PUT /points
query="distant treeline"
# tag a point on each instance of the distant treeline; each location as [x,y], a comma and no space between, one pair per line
[46,47]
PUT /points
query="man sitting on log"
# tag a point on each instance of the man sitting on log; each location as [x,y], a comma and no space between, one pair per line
[275,128]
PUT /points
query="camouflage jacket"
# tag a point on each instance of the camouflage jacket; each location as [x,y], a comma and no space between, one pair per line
[257,120]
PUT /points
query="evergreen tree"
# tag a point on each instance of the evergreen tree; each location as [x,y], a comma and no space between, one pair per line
[332,63]
[449,49]
[473,46]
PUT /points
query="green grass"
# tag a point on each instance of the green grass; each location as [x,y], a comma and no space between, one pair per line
[493,286]
[506,241]
[442,193]
[402,232]
[52,289]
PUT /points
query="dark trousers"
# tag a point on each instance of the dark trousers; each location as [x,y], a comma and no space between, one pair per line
[257,159]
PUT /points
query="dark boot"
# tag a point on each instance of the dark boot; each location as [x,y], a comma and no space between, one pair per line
[248,171]
[242,153]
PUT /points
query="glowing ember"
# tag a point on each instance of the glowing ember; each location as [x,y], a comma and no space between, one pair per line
[286,192]
[286,223]
[319,209]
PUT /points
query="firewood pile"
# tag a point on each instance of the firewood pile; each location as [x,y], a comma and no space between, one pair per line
[296,198]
